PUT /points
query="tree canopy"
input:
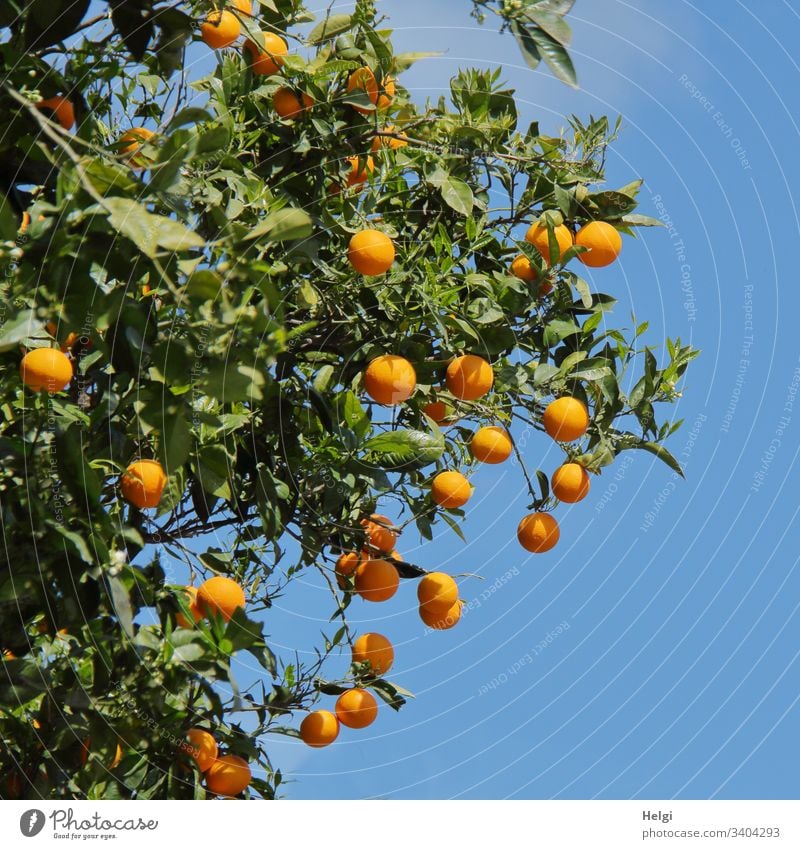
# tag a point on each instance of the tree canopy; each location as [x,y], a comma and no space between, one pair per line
[187,245]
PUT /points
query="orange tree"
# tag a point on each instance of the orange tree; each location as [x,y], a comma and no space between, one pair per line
[261,308]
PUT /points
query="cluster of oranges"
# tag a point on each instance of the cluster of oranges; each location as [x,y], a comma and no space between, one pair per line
[390,379]
[225,775]
[356,707]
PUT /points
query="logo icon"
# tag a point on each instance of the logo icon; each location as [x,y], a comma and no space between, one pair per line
[31,822]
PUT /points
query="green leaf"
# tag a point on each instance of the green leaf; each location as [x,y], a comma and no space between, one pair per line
[402,448]
[555,56]
[134,24]
[636,220]
[282,225]
[403,61]
[176,439]
[120,598]
[8,220]
[527,46]
[660,451]
[329,28]
[457,195]
[50,21]
[21,327]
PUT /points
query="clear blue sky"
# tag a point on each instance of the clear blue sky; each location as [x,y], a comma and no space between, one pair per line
[666,621]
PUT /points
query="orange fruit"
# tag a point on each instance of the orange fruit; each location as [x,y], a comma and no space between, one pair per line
[319,729]
[360,170]
[381,537]
[346,565]
[130,142]
[356,708]
[142,483]
[243,6]
[370,252]
[469,377]
[538,532]
[603,241]
[538,236]
[9,655]
[45,369]
[437,410]
[221,595]
[289,104]
[201,748]
[390,379]
[521,267]
[364,79]
[269,57]
[376,650]
[570,483]
[228,776]
[197,614]
[62,109]
[220,29]
[437,591]
[376,580]
[566,419]
[388,141]
[491,445]
[25,223]
[451,489]
[441,620]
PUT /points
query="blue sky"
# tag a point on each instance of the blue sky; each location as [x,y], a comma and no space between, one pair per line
[653,653]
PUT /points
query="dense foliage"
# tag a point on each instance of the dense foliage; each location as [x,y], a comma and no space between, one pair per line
[202,291]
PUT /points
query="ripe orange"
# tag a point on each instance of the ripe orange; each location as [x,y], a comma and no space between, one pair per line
[521,267]
[390,379]
[381,537]
[364,79]
[289,104]
[142,483]
[451,489]
[570,483]
[269,57]
[491,445]
[220,595]
[117,757]
[370,252]
[130,143]
[243,6]
[220,29]
[202,748]
[360,170]
[356,708]
[319,729]
[538,532]
[228,775]
[346,565]
[45,369]
[469,377]
[62,109]
[375,649]
[604,243]
[441,620]
[566,419]
[437,591]
[376,580]
[388,141]
[195,611]
[438,411]
[538,236]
